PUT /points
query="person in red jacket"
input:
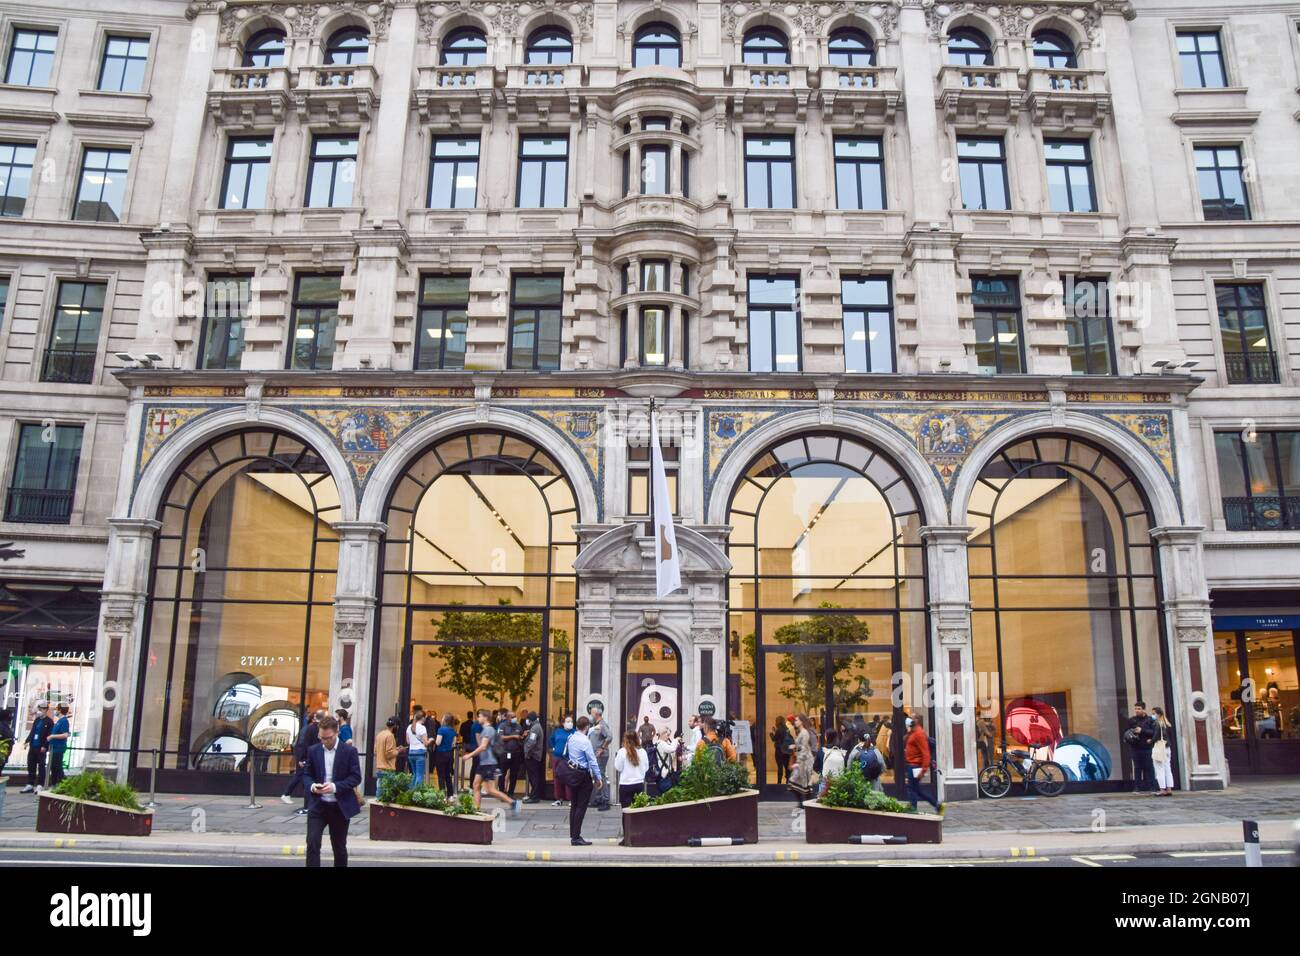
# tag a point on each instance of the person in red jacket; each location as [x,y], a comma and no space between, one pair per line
[916,750]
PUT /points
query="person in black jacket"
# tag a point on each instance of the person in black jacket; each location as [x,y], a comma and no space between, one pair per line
[38,744]
[1140,735]
[306,740]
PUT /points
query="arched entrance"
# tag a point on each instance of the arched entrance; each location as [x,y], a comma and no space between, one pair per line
[827,595]
[1067,616]
[652,684]
[239,614]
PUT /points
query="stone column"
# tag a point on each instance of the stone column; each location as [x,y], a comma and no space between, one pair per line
[354,612]
[163,302]
[633,332]
[112,718]
[189,111]
[388,133]
[952,653]
[380,257]
[634,170]
[674,331]
[675,171]
[720,124]
[1194,708]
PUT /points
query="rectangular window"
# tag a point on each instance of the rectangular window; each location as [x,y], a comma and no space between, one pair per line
[1243,327]
[596,669]
[4,296]
[654,275]
[1069,175]
[315,318]
[45,474]
[225,308]
[1221,177]
[101,195]
[686,174]
[868,309]
[543,172]
[769,172]
[453,173]
[444,319]
[706,672]
[999,345]
[536,304]
[16,161]
[31,57]
[1259,478]
[1087,323]
[983,170]
[124,61]
[248,167]
[640,493]
[333,171]
[74,337]
[1200,55]
[654,335]
[859,174]
[775,341]
[654,170]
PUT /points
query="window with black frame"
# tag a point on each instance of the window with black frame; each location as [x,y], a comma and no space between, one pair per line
[123,66]
[31,57]
[536,310]
[74,335]
[348,47]
[982,165]
[464,47]
[45,474]
[769,172]
[765,46]
[226,306]
[264,49]
[247,173]
[657,44]
[16,162]
[1259,479]
[1200,58]
[1053,50]
[969,47]
[868,309]
[543,172]
[1221,177]
[654,169]
[859,172]
[315,319]
[999,339]
[332,173]
[549,46]
[654,334]
[444,319]
[453,173]
[1243,328]
[775,339]
[640,489]
[1088,326]
[1070,185]
[101,192]
[852,48]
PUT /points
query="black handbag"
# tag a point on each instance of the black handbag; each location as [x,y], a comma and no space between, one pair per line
[569,773]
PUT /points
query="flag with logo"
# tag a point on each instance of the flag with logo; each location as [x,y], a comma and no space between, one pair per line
[668,569]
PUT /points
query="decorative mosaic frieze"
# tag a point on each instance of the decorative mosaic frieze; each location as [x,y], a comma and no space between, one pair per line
[160,424]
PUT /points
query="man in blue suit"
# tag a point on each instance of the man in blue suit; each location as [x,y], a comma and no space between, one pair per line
[332,773]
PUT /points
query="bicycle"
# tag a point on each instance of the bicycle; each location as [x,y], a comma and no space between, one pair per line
[1045,777]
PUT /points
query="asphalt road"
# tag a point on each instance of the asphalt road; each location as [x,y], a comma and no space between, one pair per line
[112,858]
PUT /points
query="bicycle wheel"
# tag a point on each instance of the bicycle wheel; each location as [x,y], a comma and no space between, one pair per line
[995,781]
[1048,778]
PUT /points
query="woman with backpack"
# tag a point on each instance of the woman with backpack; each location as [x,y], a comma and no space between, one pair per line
[1162,754]
[630,763]
[559,737]
[782,747]
[805,745]
[832,761]
[665,756]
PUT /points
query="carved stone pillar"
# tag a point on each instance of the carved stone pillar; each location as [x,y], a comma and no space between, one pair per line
[354,609]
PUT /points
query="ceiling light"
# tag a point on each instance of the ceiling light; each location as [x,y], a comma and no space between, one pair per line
[1006,338]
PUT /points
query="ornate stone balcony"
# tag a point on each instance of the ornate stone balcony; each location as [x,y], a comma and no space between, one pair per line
[975,94]
[336,94]
[249,96]
[537,91]
[860,92]
[1068,99]
[451,91]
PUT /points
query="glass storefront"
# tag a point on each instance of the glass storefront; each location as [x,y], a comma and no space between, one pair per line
[1259,696]
[1066,620]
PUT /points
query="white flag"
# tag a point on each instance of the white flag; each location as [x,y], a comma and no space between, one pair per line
[668,569]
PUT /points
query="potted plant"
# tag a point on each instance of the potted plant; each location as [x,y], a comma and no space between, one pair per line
[850,807]
[89,803]
[710,799]
[425,814]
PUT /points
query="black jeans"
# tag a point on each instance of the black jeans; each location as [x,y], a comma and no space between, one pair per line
[56,768]
[510,767]
[35,768]
[628,791]
[782,764]
[442,764]
[1144,772]
[327,815]
[600,798]
[578,807]
[536,778]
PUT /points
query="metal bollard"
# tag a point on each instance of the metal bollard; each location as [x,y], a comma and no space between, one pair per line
[252,783]
[1251,830]
[153,778]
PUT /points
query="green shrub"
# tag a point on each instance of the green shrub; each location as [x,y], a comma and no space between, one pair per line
[704,778]
[463,804]
[642,799]
[392,787]
[850,789]
[92,785]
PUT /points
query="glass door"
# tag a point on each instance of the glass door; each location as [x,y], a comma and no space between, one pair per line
[1259,700]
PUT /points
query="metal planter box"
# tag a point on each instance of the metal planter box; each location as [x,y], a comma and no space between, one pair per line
[823,824]
[388,821]
[89,816]
[675,824]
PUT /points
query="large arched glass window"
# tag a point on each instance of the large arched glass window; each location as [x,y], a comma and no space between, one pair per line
[766,46]
[549,46]
[1066,605]
[239,619]
[348,47]
[827,590]
[657,44]
[850,47]
[1054,51]
[477,587]
[265,48]
[464,47]
[969,47]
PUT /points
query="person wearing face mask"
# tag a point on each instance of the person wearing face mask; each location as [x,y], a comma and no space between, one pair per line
[559,737]
[534,756]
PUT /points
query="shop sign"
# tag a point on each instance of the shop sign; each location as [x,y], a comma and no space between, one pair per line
[707,708]
[1258,622]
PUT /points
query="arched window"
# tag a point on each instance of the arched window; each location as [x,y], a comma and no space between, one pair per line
[348,47]
[239,617]
[969,47]
[464,47]
[766,46]
[549,46]
[477,588]
[265,48]
[657,44]
[1066,605]
[1054,51]
[849,47]
[826,597]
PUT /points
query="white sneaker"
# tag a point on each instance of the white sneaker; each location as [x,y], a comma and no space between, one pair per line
[517,809]
[39,788]
[285,798]
[29,788]
[557,803]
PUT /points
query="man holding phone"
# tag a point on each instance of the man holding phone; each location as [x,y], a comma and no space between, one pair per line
[332,773]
